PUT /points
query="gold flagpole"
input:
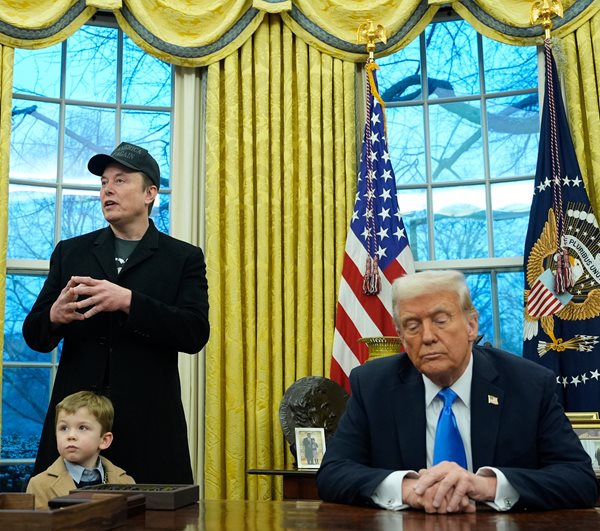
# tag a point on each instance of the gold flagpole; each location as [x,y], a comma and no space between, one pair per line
[368,33]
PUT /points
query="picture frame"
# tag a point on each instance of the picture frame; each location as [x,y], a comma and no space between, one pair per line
[310,447]
[582,415]
[588,432]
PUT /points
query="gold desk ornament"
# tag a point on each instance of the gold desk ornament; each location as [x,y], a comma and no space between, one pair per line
[544,10]
[369,34]
[381,346]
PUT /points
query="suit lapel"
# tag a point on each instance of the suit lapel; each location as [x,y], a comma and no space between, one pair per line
[408,397]
[487,401]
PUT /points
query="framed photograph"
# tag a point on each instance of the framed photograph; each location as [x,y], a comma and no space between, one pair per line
[310,447]
[588,432]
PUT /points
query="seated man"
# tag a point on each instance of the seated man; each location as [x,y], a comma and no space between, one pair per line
[399,443]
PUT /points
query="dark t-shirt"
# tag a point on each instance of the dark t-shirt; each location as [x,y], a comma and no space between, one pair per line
[123,250]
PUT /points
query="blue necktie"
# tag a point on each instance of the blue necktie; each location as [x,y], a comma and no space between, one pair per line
[448,442]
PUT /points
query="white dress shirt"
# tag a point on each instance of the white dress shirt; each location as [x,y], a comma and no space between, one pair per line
[388,493]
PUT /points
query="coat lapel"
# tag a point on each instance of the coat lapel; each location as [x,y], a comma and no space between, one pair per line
[408,396]
[60,479]
[104,251]
[144,250]
[487,401]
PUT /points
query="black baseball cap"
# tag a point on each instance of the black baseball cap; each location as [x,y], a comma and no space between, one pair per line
[134,157]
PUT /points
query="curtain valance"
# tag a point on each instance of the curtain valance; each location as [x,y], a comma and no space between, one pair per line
[200,32]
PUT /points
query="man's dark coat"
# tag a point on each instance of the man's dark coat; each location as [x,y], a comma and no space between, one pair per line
[131,358]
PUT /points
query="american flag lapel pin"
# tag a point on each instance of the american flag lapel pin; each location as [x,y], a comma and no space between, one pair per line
[493,400]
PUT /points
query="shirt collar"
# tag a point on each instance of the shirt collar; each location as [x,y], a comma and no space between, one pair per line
[462,386]
[77,470]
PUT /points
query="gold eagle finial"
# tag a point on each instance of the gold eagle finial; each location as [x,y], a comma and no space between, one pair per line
[545,10]
[370,34]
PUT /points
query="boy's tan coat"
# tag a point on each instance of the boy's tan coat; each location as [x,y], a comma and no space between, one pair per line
[56,481]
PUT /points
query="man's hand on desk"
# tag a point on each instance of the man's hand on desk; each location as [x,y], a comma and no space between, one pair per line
[447,488]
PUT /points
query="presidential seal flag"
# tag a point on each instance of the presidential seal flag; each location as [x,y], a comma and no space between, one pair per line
[377,250]
[562,252]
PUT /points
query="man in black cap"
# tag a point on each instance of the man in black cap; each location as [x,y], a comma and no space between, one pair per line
[126,299]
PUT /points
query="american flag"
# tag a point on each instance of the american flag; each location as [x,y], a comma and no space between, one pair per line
[561,329]
[377,249]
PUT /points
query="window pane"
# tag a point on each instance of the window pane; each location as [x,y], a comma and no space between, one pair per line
[34,140]
[452,66]
[146,80]
[37,72]
[511,203]
[161,213]
[81,213]
[460,223]
[21,292]
[456,147]
[413,209]
[91,65]
[399,76]
[481,294]
[406,140]
[31,211]
[510,296]
[509,67]
[25,395]
[513,132]
[88,130]
[14,478]
[151,130]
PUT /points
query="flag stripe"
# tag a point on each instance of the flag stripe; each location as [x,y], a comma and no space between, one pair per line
[376,234]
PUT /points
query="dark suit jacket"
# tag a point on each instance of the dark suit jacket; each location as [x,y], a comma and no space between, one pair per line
[135,356]
[526,435]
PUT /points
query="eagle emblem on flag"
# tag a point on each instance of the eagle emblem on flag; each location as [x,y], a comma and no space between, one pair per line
[579,302]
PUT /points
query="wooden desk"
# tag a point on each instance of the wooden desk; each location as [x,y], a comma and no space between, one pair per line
[297,484]
[215,515]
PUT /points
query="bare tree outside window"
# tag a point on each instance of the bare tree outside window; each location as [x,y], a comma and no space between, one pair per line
[463,128]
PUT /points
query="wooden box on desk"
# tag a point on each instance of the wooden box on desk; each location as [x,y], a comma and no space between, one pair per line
[158,497]
[100,512]
[136,503]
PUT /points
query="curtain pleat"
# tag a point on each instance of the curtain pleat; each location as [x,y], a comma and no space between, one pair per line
[6,76]
[273,196]
[187,223]
[580,66]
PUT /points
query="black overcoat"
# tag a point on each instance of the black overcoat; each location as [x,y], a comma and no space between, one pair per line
[131,358]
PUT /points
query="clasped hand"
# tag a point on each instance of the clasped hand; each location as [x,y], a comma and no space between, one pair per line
[98,296]
[447,488]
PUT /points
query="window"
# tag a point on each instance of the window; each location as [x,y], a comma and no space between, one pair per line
[70,101]
[463,128]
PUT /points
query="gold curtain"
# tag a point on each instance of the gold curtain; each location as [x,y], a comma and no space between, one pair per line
[6,71]
[281,174]
[280,163]
[580,68]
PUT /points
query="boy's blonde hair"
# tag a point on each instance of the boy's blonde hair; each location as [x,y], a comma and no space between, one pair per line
[99,406]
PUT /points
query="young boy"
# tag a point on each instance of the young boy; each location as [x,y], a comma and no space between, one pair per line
[83,424]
